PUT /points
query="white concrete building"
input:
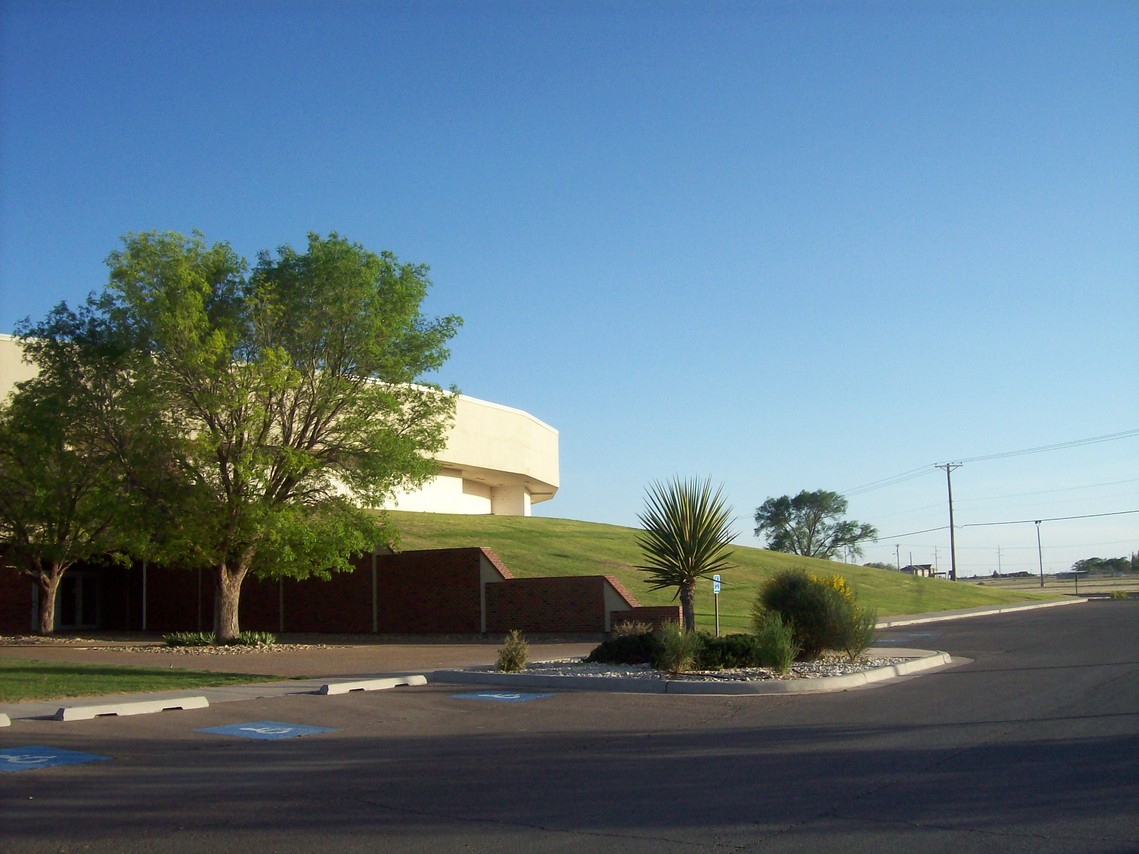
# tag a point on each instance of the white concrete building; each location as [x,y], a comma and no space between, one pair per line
[497,460]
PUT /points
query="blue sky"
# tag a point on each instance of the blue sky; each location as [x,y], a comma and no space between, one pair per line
[782,245]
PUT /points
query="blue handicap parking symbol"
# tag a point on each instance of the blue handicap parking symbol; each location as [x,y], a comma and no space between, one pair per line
[38,756]
[501,696]
[266,730]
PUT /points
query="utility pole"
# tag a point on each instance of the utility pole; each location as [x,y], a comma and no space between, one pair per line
[949,467]
[898,557]
[1039,552]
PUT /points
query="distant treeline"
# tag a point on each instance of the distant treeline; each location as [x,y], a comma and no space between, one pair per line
[1108,566]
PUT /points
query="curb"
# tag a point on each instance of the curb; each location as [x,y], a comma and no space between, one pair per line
[923,660]
[370,685]
[141,707]
[895,622]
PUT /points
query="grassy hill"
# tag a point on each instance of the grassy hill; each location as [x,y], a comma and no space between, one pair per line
[533,546]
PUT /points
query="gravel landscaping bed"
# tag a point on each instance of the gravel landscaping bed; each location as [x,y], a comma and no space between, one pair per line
[157,646]
[823,667]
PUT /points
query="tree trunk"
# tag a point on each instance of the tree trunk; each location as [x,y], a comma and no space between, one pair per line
[227,597]
[49,585]
[688,606]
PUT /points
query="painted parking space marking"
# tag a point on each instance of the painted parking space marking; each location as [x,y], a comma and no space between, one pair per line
[38,756]
[905,636]
[501,696]
[266,730]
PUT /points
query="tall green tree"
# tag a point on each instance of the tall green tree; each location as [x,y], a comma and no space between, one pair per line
[63,499]
[264,409]
[810,524]
[687,529]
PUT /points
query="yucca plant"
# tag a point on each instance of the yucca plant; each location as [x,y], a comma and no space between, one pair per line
[679,650]
[514,653]
[687,528]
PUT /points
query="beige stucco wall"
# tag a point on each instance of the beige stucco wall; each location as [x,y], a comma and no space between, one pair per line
[12,366]
[497,460]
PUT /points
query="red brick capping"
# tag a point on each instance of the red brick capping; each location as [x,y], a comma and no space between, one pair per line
[496,562]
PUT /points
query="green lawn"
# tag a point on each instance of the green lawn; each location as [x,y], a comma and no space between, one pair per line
[534,546]
[27,679]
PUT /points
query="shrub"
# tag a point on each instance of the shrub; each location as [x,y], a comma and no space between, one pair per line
[514,653]
[858,630]
[189,639]
[631,627]
[253,639]
[209,639]
[679,650]
[729,651]
[817,610]
[775,643]
[1120,594]
[835,582]
[627,649]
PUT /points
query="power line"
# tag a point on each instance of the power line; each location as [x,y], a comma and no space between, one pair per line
[1010,522]
[895,480]
[912,533]
[1053,519]
[1075,443]
[1049,491]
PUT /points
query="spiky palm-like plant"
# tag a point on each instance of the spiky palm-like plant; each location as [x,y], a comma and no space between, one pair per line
[687,528]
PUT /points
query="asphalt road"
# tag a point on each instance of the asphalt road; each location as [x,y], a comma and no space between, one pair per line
[1029,743]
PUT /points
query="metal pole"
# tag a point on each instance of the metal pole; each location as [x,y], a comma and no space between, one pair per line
[949,467]
[1039,553]
[144,594]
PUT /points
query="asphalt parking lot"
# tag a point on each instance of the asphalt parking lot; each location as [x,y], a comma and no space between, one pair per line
[1029,742]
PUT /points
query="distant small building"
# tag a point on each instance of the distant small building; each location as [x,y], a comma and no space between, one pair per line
[920,570]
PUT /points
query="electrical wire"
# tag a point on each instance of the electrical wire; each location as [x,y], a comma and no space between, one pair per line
[1053,519]
[1059,446]
[897,479]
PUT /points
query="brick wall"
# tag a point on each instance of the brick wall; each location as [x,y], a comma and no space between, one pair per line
[434,591]
[571,605]
[431,592]
[16,615]
[423,592]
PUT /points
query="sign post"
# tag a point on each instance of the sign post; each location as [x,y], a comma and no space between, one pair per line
[716,595]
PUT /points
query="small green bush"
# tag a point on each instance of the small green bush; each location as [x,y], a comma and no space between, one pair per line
[253,639]
[775,643]
[1120,594]
[627,649]
[730,651]
[679,650]
[514,653]
[631,627]
[818,610]
[857,631]
[189,639]
[209,639]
